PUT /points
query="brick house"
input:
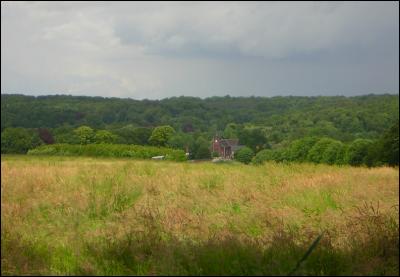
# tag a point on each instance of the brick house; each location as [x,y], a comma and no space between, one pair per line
[226,148]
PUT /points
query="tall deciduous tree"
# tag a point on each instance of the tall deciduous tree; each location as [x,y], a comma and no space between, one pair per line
[18,140]
[85,134]
[201,149]
[104,136]
[161,135]
[390,145]
[358,151]
[254,138]
[298,149]
[316,153]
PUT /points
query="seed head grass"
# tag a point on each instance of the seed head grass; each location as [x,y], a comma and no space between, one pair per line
[98,216]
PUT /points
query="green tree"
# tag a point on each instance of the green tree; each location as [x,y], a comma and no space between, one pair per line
[133,135]
[358,151]
[264,156]
[390,145]
[254,138]
[18,140]
[65,134]
[316,153]
[180,140]
[334,153]
[244,155]
[161,135]
[374,155]
[104,136]
[231,131]
[202,152]
[298,149]
[201,148]
[85,134]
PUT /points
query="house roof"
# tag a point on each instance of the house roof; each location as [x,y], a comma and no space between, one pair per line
[228,142]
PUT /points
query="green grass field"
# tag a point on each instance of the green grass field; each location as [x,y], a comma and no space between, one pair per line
[93,216]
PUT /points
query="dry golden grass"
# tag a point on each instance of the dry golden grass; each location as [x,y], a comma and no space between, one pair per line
[64,203]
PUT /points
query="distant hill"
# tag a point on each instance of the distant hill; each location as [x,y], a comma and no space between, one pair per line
[289,117]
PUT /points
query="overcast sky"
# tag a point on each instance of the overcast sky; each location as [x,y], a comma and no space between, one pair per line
[156,50]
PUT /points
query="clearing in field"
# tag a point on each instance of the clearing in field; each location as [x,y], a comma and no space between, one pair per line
[121,217]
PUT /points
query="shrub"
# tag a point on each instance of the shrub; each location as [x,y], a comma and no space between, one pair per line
[263,156]
[110,150]
[316,153]
[389,144]
[18,140]
[244,155]
[202,152]
[334,153]
[298,149]
[358,151]
[277,155]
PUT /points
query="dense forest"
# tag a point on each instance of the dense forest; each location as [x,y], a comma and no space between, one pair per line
[189,123]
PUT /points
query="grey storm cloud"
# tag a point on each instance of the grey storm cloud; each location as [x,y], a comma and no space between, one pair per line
[162,49]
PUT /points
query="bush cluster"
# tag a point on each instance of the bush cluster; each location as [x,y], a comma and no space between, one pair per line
[109,150]
[244,155]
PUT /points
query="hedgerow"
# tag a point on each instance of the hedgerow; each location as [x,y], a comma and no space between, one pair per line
[109,150]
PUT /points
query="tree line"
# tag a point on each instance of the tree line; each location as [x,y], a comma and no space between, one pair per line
[382,151]
[313,129]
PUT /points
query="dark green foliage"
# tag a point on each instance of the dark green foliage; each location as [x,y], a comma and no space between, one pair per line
[253,137]
[109,150]
[277,155]
[18,140]
[161,135]
[133,135]
[334,153]
[244,155]
[202,152]
[65,134]
[291,124]
[386,149]
[181,141]
[358,151]
[288,118]
[298,149]
[390,145]
[264,155]
[201,149]
[317,152]
[231,131]
[85,134]
[374,154]
[103,136]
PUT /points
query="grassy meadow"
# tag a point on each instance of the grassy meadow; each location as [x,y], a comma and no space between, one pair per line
[94,216]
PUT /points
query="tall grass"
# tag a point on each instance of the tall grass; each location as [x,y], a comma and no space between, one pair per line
[84,216]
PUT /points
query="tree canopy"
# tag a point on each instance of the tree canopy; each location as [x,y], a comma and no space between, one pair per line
[361,130]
